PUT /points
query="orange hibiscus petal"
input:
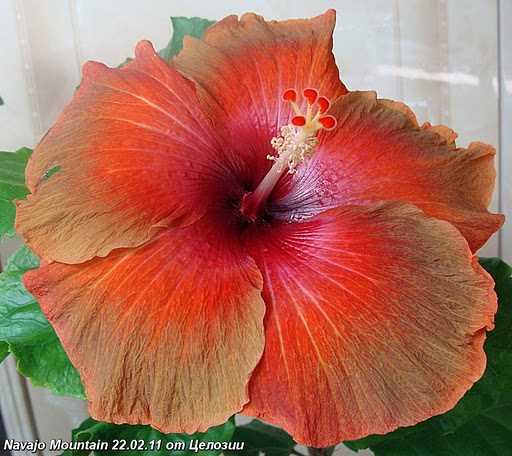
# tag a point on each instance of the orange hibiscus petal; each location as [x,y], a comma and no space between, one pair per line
[378,152]
[376,319]
[164,334]
[244,67]
[135,152]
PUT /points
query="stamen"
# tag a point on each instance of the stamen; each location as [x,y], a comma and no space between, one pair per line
[292,149]
[296,146]
[298,141]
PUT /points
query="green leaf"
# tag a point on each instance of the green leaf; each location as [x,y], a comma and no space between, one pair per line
[192,26]
[1,101]
[4,351]
[12,186]
[481,423]
[143,440]
[29,335]
[261,437]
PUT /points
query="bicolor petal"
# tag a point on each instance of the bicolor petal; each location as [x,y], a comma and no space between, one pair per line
[134,153]
[164,334]
[244,66]
[376,319]
[191,289]
[378,152]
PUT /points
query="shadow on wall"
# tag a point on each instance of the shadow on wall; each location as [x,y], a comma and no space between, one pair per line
[3,438]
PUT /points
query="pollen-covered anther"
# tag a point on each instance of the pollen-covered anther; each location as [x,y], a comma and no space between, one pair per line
[298,141]
[292,149]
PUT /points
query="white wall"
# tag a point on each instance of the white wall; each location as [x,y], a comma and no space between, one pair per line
[448,60]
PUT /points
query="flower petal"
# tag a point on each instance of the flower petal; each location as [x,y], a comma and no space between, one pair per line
[378,152]
[135,152]
[163,334]
[376,319]
[244,67]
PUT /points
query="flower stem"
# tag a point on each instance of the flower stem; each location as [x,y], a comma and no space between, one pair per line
[318,451]
[298,453]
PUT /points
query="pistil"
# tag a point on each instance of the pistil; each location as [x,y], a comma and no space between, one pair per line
[296,146]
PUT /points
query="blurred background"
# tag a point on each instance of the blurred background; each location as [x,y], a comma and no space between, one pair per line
[450,61]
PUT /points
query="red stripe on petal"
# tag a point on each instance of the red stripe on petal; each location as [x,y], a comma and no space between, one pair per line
[165,334]
[376,319]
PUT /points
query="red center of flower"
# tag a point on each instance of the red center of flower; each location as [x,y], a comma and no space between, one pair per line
[295,146]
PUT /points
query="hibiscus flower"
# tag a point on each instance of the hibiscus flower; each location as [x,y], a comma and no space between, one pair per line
[235,231]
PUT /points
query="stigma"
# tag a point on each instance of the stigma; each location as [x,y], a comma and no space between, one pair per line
[298,140]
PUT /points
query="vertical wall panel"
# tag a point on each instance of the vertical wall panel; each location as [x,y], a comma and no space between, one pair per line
[422,59]
[505,85]
[17,412]
[472,62]
[365,40]
[49,29]
[16,87]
